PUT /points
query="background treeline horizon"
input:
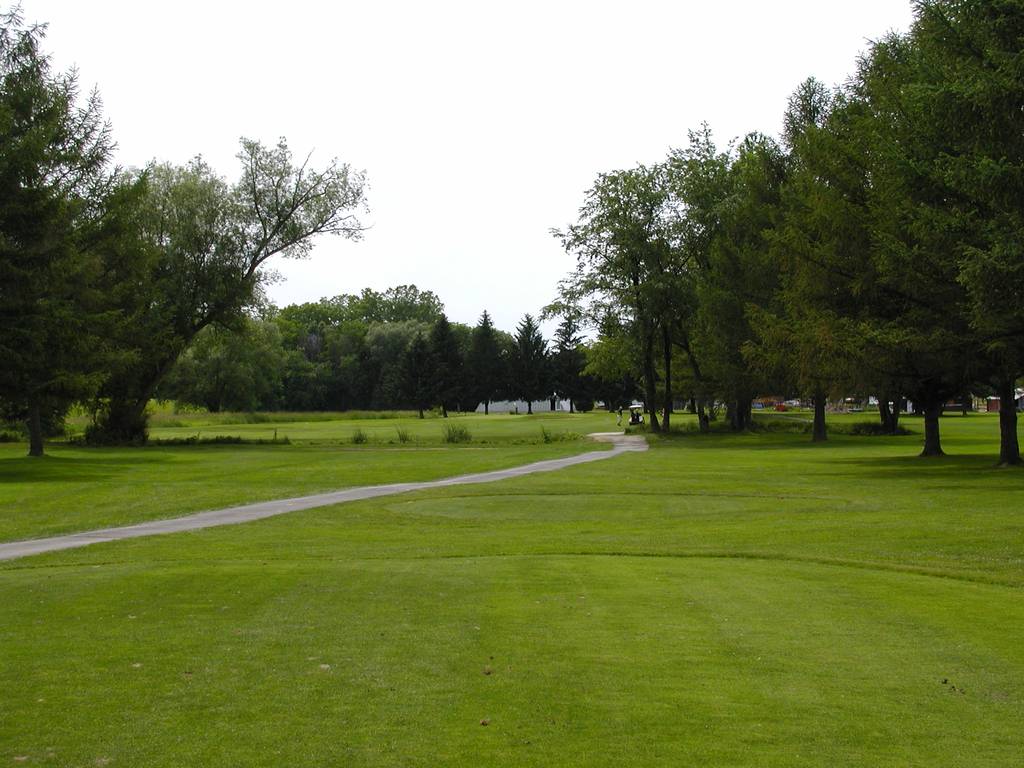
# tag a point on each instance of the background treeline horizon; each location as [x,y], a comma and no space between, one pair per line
[875,247]
[386,350]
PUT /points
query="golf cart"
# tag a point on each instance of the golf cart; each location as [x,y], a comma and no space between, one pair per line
[636,414]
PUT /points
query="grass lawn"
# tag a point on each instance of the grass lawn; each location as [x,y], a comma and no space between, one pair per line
[77,488]
[748,600]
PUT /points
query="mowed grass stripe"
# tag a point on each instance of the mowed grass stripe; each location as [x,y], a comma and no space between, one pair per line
[606,661]
[557,609]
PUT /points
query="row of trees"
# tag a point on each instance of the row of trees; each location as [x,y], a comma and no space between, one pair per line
[875,247]
[107,275]
[375,350]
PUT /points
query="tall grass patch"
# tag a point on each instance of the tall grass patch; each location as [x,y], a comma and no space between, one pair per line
[456,433]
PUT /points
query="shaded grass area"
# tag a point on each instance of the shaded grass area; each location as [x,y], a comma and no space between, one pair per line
[747,600]
[166,414]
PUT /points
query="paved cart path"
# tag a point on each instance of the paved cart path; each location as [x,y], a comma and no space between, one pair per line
[233,515]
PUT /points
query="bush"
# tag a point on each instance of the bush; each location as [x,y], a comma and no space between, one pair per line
[220,440]
[104,434]
[789,426]
[403,435]
[867,429]
[10,437]
[359,437]
[557,437]
[456,433]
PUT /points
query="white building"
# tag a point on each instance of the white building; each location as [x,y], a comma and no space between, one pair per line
[521,406]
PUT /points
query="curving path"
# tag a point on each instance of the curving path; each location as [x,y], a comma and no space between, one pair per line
[233,515]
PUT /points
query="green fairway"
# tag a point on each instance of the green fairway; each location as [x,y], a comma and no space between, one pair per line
[750,600]
[495,428]
[77,488]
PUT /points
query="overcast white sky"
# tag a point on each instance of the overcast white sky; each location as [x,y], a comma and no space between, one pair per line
[480,124]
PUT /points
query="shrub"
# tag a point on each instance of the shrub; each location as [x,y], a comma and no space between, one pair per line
[456,433]
[220,440]
[867,429]
[359,437]
[403,435]
[557,437]
[791,426]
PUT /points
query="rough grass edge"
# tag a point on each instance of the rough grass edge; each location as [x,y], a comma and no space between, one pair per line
[217,440]
[457,433]
[547,436]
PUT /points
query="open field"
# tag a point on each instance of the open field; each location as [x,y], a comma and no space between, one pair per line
[77,488]
[496,428]
[747,600]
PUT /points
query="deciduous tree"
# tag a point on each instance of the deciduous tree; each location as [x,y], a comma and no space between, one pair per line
[208,241]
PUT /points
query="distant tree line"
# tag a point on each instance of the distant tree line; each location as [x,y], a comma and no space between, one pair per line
[876,247]
[394,349]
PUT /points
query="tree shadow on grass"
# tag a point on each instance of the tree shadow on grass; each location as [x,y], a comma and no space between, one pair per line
[959,466]
[57,469]
[770,441]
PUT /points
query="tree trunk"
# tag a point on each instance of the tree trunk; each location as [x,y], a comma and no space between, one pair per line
[487,407]
[421,411]
[666,340]
[1009,447]
[703,419]
[884,414]
[650,383]
[125,418]
[819,434]
[894,415]
[571,404]
[124,422]
[697,405]
[444,410]
[932,443]
[35,430]
[739,413]
[529,407]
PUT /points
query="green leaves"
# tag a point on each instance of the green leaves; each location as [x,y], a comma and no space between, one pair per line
[55,190]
